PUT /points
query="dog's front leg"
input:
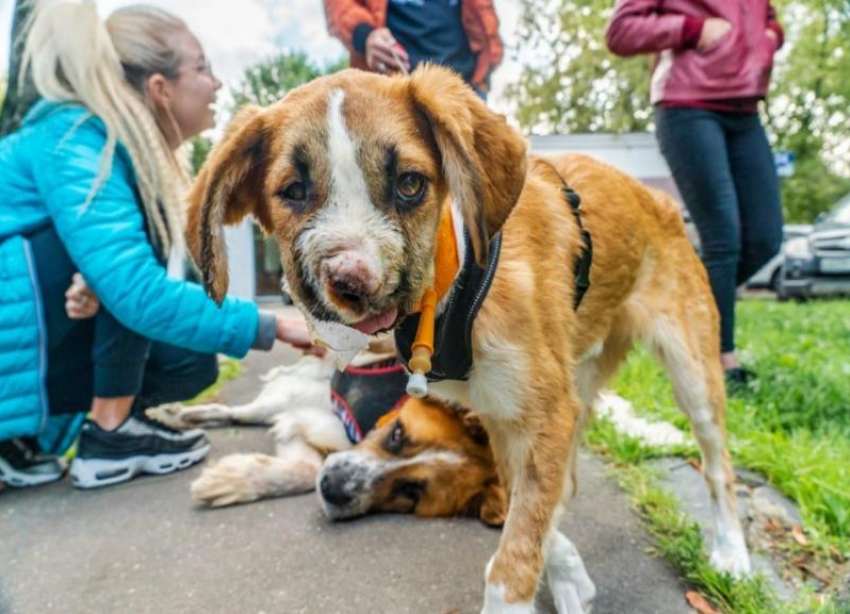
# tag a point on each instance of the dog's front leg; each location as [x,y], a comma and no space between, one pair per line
[532,453]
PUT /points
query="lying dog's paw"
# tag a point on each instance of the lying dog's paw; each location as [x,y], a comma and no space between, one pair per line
[229,481]
[183,417]
[242,478]
[169,414]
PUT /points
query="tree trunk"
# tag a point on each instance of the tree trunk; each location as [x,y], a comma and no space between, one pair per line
[18,99]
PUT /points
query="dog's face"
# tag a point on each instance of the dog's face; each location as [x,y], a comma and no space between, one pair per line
[350,173]
[429,460]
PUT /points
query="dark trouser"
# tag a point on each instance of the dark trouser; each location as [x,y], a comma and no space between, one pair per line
[100,357]
[724,169]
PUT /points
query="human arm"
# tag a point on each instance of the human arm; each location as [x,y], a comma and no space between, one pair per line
[107,241]
[347,17]
[639,26]
[774,28]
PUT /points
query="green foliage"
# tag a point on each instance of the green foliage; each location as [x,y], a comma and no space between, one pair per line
[199,149]
[228,369]
[571,83]
[810,103]
[793,424]
[268,81]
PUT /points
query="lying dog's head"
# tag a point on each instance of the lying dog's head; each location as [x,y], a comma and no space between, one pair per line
[430,461]
[350,174]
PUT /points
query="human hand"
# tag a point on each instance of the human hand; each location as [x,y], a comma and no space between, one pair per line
[80,301]
[713,30]
[384,53]
[294,331]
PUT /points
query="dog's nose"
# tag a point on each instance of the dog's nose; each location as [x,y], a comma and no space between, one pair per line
[351,278]
[333,492]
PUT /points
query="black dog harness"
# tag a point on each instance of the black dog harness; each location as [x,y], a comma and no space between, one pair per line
[452,359]
[361,396]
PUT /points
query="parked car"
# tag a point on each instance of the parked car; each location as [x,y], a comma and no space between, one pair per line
[819,264]
[769,275]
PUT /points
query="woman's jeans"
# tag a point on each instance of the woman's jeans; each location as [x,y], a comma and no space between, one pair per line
[100,357]
[724,169]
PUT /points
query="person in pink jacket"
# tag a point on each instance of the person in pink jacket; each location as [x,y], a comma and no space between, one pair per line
[712,68]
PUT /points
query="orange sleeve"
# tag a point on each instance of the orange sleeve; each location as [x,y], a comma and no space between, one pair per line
[343,16]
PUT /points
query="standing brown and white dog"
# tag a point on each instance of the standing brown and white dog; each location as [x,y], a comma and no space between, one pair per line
[351,173]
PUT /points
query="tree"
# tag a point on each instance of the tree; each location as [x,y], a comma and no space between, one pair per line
[571,83]
[268,81]
[17,100]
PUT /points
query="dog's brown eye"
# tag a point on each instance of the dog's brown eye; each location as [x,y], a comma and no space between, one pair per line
[410,187]
[295,192]
[395,441]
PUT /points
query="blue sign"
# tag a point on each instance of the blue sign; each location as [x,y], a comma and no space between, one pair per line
[784,161]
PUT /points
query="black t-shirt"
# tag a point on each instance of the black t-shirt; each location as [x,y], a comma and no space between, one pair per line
[431,30]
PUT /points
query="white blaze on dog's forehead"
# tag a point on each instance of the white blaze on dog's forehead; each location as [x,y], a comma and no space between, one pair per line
[349,192]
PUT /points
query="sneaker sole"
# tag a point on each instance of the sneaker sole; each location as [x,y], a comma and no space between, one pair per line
[97,472]
[16,479]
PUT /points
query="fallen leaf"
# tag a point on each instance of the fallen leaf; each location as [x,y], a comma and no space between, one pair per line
[799,537]
[699,603]
[773,526]
[695,464]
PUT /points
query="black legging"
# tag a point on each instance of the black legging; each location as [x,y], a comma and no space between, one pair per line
[724,169]
[100,356]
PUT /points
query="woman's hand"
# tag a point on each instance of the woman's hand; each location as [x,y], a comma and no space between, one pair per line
[80,301]
[713,30]
[294,331]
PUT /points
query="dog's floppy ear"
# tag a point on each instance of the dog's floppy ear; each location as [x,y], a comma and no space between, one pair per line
[229,187]
[484,159]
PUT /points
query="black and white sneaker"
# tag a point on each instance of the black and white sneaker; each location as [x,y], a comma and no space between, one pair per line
[23,464]
[137,446]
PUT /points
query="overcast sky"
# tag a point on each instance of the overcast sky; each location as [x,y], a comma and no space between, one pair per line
[237,33]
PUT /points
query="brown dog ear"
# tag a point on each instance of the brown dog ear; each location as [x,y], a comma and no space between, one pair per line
[484,159]
[490,505]
[228,188]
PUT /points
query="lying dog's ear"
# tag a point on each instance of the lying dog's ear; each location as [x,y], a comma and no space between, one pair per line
[229,187]
[484,159]
[490,505]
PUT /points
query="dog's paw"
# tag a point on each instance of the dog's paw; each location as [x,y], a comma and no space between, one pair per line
[169,414]
[229,481]
[571,587]
[732,560]
[183,417]
[495,603]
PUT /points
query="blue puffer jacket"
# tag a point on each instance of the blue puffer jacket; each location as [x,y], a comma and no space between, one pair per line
[47,169]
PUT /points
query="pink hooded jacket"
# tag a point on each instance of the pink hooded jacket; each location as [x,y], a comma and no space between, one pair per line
[735,67]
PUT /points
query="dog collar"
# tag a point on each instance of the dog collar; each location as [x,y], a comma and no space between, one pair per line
[452,358]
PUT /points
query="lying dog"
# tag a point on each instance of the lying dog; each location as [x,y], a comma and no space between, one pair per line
[423,457]
[356,174]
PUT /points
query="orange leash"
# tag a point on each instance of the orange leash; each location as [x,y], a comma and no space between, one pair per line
[446,265]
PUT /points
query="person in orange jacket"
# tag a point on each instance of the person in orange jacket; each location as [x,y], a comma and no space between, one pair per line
[388,36]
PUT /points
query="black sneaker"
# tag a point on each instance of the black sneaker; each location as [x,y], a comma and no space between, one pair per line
[137,446]
[23,464]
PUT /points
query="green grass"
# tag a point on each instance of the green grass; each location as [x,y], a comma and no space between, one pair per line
[679,540]
[793,424]
[228,369]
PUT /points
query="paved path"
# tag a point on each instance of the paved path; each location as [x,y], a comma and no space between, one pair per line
[145,548]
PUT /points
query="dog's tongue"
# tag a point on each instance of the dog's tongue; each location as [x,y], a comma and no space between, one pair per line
[373,324]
